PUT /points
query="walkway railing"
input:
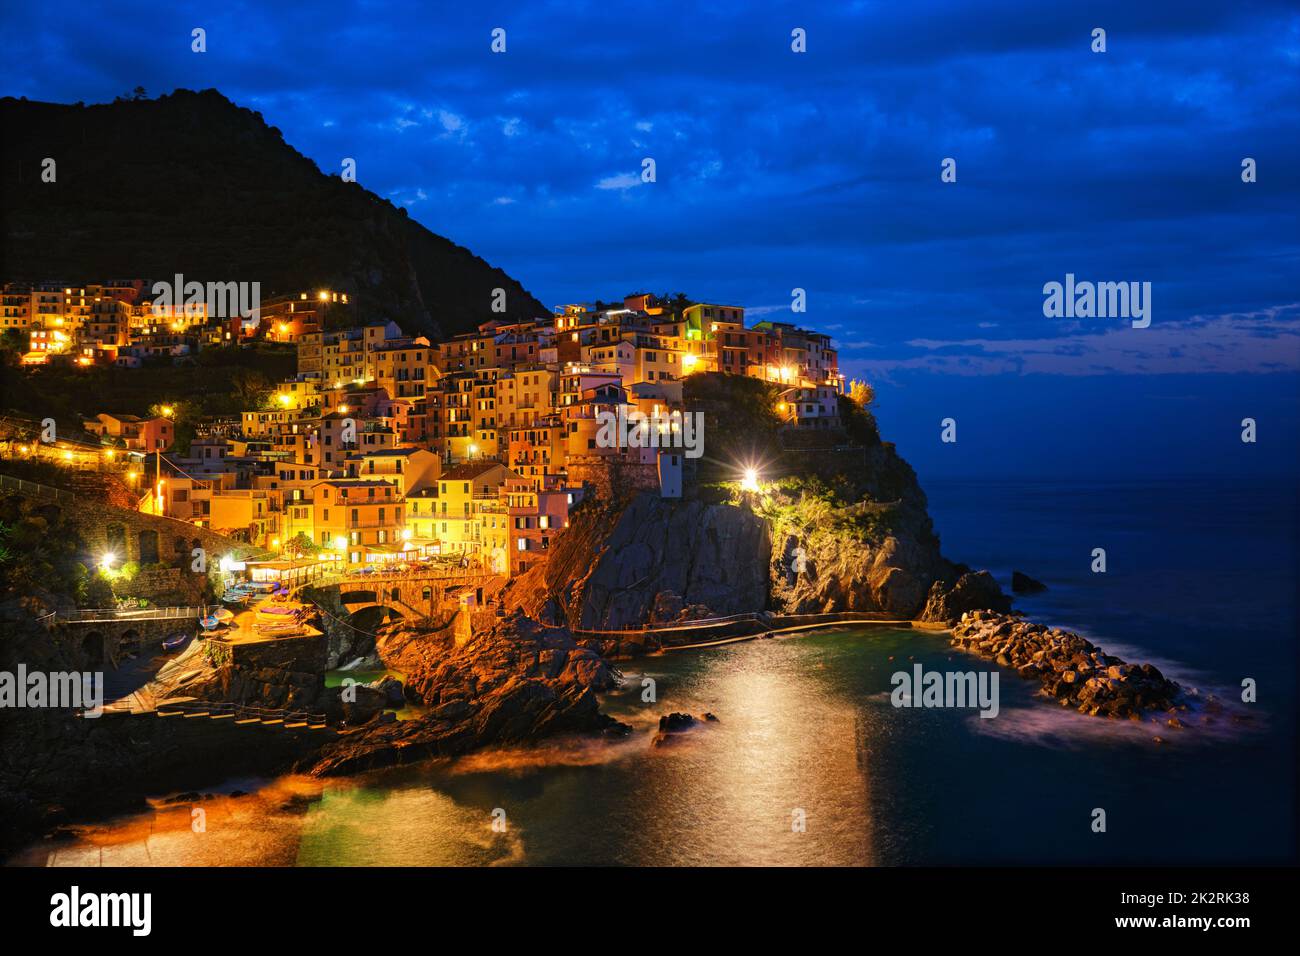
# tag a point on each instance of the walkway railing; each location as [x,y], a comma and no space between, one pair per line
[23,486]
[91,615]
[244,712]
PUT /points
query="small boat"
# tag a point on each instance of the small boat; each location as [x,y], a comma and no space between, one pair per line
[175,642]
[216,619]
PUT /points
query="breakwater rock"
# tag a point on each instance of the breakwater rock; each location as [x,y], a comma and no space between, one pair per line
[1073,670]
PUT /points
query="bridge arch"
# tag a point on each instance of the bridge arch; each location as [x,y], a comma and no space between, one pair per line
[92,649]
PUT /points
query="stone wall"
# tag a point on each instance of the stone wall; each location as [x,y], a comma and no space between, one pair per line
[612,479]
[149,539]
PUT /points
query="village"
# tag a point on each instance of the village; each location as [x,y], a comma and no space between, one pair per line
[387,449]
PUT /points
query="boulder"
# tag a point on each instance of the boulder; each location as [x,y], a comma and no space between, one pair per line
[676,723]
[1022,583]
[973,591]
[392,690]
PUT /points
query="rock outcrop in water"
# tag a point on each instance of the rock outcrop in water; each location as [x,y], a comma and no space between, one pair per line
[972,591]
[1022,583]
[516,682]
[1072,669]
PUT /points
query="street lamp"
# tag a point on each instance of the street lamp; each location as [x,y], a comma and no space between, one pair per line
[106,561]
[750,480]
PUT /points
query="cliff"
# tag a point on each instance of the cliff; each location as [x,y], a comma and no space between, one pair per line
[514,682]
[844,529]
[191,183]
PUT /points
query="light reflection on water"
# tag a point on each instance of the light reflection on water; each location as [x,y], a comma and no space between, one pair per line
[804,724]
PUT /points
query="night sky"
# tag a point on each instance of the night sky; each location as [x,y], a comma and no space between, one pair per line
[821,170]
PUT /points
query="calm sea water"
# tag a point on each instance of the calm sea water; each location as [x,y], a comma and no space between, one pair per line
[1201,580]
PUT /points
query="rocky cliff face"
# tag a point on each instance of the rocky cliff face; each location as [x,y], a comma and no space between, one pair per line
[668,559]
[288,672]
[655,560]
[857,540]
[861,541]
[515,682]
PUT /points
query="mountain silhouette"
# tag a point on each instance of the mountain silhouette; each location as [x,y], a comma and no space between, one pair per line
[190,183]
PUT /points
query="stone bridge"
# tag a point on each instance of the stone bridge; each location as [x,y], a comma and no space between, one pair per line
[412,596]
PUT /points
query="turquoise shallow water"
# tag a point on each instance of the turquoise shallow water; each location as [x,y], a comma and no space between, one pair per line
[806,728]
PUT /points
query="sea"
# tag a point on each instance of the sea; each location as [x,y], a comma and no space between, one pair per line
[810,763]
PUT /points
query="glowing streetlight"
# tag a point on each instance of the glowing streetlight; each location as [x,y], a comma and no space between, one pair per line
[473,450]
[323,295]
[275,542]
[285,400]
[340,544]
[750,481]
[167,411]
[106,561]
[406,534]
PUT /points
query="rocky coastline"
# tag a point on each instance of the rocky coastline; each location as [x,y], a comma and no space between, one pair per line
[1073,671]
[857,541]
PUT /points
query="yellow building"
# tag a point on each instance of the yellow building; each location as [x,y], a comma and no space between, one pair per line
[526,394]
[471,518]
[361,521]
[248,514]
[404,367]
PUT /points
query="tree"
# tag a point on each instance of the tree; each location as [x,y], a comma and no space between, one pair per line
[249,387]
[300,544]
[13,341]
[861,393]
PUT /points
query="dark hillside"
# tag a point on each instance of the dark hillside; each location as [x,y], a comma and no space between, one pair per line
[192,183]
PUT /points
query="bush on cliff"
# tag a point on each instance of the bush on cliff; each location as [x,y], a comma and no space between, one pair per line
[40,551]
